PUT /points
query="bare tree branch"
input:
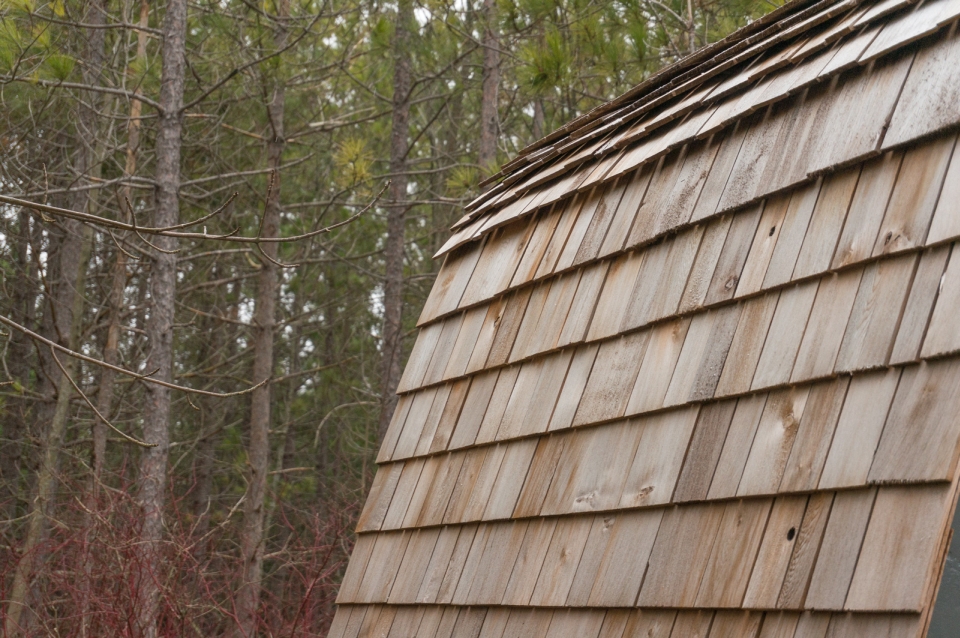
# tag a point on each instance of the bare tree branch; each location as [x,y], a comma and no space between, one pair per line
[102,222]
[6,79]
[139,377]
[89,403]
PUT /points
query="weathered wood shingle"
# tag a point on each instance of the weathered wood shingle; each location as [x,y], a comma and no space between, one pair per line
[691,367]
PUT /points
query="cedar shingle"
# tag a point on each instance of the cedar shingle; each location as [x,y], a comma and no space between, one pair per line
[751,365]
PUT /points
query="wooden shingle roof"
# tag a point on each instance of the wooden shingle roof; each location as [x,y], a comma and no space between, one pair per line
[692,367]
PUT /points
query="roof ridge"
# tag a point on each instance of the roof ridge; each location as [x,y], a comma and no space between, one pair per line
[679,70]
[570,156]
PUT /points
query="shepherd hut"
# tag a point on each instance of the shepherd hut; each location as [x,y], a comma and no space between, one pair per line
[691,366]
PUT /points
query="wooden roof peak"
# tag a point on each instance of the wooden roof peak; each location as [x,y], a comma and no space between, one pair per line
[667,106]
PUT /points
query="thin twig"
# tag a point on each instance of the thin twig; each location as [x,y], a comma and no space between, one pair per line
[166,232]
[242,67]
[86,400]
[6,79]
[222,523]
[123,371]
[294,375]
[316,437]
[120,248]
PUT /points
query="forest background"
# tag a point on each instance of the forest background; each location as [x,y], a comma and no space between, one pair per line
[189,408]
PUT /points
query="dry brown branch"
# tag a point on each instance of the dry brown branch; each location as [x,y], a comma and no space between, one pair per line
[90,405]
[323,421]
[102,222]
[6,79]
[136,376]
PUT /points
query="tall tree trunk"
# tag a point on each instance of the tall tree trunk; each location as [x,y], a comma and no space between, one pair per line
[284,459]
[392,343]
[332,321]
[490,92]
[438,209]
[214,418]
[287,452]
[45,488]
[213,421]
[258,454]
[64,244]
[159,328]
[119,276]
[19,363]
[538,119]
[106,390]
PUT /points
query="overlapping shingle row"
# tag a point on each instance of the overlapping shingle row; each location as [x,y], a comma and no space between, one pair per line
[694,368]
